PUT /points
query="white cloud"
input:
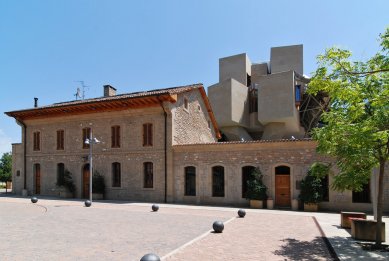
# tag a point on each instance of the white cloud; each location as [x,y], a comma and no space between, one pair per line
[5,143]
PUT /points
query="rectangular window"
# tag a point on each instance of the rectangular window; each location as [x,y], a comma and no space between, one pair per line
[326,189]
[147,134]
[186,104]
[298,94]
[116,174]
[37,141]
[85,135]
[60,139]
[115,136]
[362,196]
[190,181]
[148,175]
[218,181]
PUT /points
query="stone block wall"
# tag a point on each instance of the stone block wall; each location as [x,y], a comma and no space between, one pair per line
[190,126]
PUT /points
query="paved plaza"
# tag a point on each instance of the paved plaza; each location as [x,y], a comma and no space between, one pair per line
[54,229]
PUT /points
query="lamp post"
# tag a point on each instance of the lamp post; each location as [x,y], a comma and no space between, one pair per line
[92,140]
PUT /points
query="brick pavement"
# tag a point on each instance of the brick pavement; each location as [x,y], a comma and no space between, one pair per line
[65,230]
[260,237]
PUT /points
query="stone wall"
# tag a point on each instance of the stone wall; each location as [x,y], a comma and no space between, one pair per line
[130,155]
[190,126]
[298,155]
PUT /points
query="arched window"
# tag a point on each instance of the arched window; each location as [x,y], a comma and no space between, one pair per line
[116,174]
[246,174]
[190,181]
[148,179]
[282,170]
[218,181]
[60,174]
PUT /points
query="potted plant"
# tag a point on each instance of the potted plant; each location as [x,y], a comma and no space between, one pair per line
[98,185]
[311,193]
[256,190]
[66,185]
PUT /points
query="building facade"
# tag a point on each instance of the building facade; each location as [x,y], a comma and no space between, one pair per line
[178,145]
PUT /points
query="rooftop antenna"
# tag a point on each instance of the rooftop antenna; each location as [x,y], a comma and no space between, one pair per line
[83,86]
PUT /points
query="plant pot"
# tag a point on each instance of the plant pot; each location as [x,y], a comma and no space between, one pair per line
[98,196]
[254,203]
[295,204]
[65,194]
[311,207]
[270,203]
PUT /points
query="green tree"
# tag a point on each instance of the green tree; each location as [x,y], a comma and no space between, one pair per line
[6,167]
[356,123]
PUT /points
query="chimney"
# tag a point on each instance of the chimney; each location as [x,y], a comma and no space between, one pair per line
[109,91]
[35,102]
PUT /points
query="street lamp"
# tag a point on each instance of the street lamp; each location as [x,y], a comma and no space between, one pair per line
[92,140]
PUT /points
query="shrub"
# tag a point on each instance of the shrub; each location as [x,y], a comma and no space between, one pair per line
[255,187]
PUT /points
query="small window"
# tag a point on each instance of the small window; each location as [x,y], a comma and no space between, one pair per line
[186,104]
[115,136]
[37,141]
[298,93]
[60,139]
[362,196]
[209,124]
[218,181]
[190,181]
[85,135]
[18,173]
[148,175]
[116,174]
[147,134]
[199,107]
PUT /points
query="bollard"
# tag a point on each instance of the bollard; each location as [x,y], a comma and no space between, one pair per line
[155,207]
[241,213]
[150,257]
[218,226]
[88,203]
[34,199]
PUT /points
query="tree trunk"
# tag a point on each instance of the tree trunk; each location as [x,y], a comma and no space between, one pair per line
[378,240]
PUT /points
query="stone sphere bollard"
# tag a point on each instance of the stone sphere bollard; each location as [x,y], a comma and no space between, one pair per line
[155,207]
[88,203]
[34,199]
[218,226]
[241,213]
[150,257]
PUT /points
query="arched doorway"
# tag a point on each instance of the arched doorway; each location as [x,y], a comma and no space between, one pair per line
[85,181]
[282,186]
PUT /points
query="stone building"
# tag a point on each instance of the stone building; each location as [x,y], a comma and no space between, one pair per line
[178,145]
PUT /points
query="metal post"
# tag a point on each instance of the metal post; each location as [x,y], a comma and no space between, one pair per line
[90,165]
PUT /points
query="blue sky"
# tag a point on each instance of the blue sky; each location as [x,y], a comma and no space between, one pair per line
[47,46]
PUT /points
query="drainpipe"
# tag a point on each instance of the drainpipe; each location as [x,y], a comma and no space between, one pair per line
[165,147]
[24,152]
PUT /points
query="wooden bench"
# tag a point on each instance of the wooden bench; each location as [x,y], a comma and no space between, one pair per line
[362,229]
[345,218]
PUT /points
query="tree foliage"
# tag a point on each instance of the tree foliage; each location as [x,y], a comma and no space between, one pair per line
[312,190]
[356,123]
[6,167]
[255,187]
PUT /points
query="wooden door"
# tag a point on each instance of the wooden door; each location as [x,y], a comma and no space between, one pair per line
[282,191]
[85,182]
[37,179]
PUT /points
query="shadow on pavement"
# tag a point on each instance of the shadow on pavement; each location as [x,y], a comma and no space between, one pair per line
[295,249]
